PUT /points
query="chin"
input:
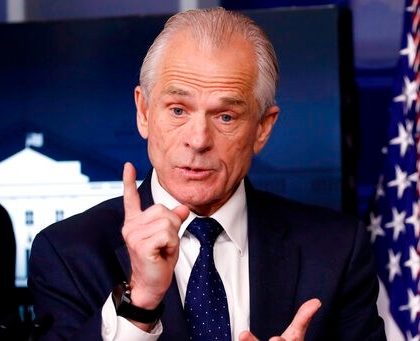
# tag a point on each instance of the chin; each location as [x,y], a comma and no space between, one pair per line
[193,197]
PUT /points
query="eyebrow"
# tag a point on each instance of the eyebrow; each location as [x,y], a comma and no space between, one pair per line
[233,101]
[173,90]
[225,100]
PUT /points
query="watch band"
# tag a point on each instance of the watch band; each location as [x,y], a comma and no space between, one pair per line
[121,296]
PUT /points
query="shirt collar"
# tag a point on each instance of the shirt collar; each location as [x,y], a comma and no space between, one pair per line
[232,215]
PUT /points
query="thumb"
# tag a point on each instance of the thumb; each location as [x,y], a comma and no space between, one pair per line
[300,323]
[247,336]
[182,212]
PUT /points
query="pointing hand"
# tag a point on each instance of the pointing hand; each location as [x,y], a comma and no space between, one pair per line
[152,241]
[297,329]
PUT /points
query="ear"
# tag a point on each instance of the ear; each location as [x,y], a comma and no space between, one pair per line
[142,112]
[265,127]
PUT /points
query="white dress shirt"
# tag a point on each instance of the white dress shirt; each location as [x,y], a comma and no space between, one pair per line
[230,257]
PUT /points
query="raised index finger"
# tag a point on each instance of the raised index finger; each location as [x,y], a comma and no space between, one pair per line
[131,196]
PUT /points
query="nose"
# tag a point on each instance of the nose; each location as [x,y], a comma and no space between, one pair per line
[198,136]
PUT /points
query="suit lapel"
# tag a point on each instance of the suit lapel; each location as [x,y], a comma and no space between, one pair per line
[273,268]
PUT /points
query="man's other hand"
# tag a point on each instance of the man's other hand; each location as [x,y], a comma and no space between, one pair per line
[152,242]
[297,329]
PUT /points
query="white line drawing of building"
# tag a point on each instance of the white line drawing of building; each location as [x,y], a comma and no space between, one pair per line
[38,191]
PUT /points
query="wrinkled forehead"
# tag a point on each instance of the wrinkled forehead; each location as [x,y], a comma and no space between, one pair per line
[225,75]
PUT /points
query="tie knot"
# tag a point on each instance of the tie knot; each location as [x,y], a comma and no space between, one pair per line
[206,230]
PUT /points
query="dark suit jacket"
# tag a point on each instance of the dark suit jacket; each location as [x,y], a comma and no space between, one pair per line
[296,252]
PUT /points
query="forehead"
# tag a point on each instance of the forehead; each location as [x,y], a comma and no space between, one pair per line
[231,65]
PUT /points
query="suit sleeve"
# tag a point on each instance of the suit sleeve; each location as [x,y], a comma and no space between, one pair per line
[358,315]
[59,304]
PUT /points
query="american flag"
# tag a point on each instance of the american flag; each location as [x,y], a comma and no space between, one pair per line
[394,222]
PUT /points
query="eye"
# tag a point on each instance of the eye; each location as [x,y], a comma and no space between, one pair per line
[226,117]
[177,111]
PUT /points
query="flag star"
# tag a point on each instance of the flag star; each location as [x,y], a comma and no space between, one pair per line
[409,94]
[413,263]
[413,305]
[410,50]
[394,264]
[405,137]
[414,219]
[375,227]
[402,181]
[397,223]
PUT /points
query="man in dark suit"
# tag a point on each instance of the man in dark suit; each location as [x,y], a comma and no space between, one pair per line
[129,267]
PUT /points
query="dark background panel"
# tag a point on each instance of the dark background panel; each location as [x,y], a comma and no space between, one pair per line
[73,81]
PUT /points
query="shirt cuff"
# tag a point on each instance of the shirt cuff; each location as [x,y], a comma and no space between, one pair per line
[116,328]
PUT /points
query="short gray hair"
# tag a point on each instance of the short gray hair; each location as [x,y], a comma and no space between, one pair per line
[216,26]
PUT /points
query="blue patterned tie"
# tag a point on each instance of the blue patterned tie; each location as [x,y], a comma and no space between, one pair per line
[206,306]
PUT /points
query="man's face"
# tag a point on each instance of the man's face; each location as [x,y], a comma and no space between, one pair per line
[202,121]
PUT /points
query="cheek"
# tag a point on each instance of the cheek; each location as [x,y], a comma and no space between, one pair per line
[157,145]
[243,143]
[238,156]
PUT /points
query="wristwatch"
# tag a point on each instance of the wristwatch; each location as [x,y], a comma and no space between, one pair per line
[121,296]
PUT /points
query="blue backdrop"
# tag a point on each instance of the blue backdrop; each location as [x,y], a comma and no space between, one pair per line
[73,81]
